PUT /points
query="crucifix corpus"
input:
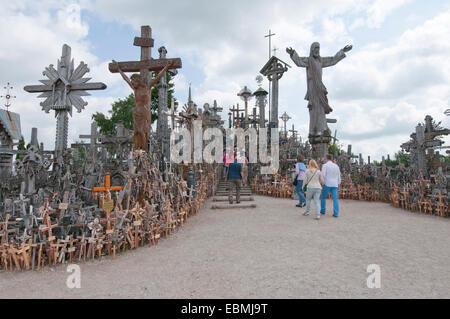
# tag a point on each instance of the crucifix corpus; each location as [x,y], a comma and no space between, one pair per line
[142,84]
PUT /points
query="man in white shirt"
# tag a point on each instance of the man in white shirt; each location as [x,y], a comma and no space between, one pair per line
[332,176]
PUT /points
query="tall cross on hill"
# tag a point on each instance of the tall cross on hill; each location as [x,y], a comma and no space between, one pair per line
[142,84]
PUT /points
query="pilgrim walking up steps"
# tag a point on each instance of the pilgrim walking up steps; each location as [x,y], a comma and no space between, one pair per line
[232,183]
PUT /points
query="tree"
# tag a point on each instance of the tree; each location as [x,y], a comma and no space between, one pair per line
[402,157]
[122,110]
[21,147]
[335,147]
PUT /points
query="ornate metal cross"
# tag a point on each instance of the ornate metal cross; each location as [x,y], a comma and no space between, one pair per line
[63,90]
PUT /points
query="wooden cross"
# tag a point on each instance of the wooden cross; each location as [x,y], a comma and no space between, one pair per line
[106,188]
[235,110]
[423,182]
[172,116]
[146,64]
[294,132]
[441,206]
[64,205]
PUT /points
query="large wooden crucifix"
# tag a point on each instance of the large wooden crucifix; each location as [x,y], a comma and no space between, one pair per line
[142,83]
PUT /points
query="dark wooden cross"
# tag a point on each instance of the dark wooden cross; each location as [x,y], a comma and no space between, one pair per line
[235,110]
[294,132]
[146,63]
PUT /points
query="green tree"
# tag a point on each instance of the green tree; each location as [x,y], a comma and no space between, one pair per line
[402,157]
[21,147]
[335,147]
[122,110]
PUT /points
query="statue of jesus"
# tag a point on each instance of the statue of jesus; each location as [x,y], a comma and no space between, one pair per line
[142,118]
[316,94]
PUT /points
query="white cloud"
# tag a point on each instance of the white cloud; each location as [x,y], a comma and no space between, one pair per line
[379,92]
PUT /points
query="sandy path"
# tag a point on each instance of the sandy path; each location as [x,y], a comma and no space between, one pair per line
[269,252]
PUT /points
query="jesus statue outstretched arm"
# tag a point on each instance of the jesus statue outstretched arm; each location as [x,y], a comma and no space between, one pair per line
[330,61]
[299,61]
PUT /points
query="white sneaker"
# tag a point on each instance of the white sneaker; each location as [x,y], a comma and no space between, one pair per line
[306,214]
[317,217]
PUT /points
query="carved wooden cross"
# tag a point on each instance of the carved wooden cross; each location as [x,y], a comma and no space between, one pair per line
[146,64]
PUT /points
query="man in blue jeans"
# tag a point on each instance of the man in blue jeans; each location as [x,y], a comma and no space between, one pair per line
[332,176]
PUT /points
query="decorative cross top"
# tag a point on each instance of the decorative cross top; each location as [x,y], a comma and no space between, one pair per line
[63,91]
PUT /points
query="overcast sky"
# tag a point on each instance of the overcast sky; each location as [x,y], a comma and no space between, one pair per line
[396,74]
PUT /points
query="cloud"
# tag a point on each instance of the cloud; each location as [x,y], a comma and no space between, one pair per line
[379,92]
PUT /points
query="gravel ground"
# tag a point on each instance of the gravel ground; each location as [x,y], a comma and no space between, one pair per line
[268,252]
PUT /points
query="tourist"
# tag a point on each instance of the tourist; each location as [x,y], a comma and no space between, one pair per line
[332,176]
[300,169]
[242,159]
[314,181]
[234,178]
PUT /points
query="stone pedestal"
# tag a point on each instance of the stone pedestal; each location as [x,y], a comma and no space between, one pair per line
[319,145]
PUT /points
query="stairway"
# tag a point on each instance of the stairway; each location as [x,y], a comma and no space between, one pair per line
[221,197]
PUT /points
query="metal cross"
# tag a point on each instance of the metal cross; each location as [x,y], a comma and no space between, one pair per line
[8,95]
[270,42]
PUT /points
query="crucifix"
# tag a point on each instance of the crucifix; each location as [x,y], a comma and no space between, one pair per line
[63,91]
[142,83]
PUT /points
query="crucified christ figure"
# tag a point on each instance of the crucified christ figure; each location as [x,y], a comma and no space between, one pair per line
[142,118]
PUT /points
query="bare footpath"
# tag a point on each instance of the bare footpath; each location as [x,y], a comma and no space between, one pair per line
[271,251]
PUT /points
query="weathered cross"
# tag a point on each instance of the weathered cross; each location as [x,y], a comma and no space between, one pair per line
[146,64]
[63,91]
[294,132]
[235,110]
[94,136]
[285,118]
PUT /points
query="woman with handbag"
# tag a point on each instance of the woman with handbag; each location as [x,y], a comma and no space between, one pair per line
[300,169]
[313,187]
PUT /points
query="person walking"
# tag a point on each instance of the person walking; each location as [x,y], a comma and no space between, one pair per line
[332,176]
[313,181]
[234,177]
[300,169]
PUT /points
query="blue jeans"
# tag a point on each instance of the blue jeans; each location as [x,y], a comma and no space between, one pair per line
[299,190]
[334,194]
[310,194]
